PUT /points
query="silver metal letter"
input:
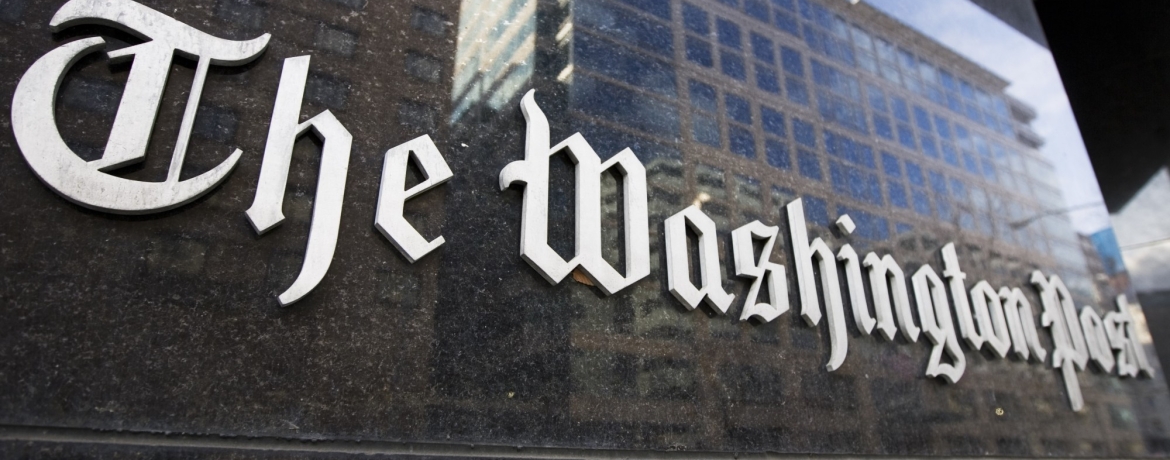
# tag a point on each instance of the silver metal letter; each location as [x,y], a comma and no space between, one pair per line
[994,328]
[889,285]
[678,261]
[266,211]
[1022,325]
[935,312]
[34,122]
[747,266]
[955,277]
[1069,349]
[392,194]
[853,280]
[533,173]
[804,253]
[1122,333]
[1100,351]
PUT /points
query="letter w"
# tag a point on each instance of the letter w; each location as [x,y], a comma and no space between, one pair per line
[533,172]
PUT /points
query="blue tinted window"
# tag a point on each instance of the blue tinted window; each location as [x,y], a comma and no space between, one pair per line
[816,210]
[891,165]
[762,48]
[901,112]
[699,52]
[773,121]
[971,164]
[624,106]
[742,142]
[906,137]
[757,9]
[962,136]
[797,91]
[734,3]
[914,173]
[948,81]
[944,208]
[787,22]
[877,99]
[804,133]
[728,33]
[810,165]
[950,155]
[733,65]
[938,183]
[898,194]
[777,154]
[869,225]
[767,80]
[660,8]
[789,5]
[857,183]
[630,28]
[738,108]
[929,146]
[921,201]
[954,103]
[630,67]
[792,60]
[958,189]
[922,119]
[988,170]
[943,127]
[702,96]
[903,228]
[881,126]
[695,19]
[705,129]
[848,149]
[965,89]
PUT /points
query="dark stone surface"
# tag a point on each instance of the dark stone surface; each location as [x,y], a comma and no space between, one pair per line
[169,323]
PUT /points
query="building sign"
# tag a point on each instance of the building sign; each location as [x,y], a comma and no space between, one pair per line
[940,305]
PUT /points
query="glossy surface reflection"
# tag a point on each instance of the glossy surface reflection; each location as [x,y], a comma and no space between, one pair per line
[736,107]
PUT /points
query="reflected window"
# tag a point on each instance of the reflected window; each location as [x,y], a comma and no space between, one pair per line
[699,52]
[816,210]
[702,96]
[773,121]
[810,165]
[804,133]
[891,166]
[733,65]
[767,80]
[777,154]
[728,33]
[792,61]
[762,48]
[660,8]
[742,142]
[738,108]
[757,9]
[695,19]
[797,91]
[705,129]
[786,21]
[882,127]
[897,192]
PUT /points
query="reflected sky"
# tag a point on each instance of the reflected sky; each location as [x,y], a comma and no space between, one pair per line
[983,38]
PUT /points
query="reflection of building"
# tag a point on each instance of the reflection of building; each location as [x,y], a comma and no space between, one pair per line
[744,105]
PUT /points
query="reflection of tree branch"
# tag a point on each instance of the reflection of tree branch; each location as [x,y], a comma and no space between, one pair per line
[1025,222]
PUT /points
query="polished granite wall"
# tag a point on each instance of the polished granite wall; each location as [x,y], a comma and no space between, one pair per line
[168,323]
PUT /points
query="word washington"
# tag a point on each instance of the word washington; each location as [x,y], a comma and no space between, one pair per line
[1001,320]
